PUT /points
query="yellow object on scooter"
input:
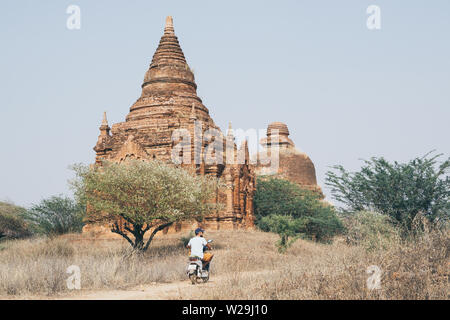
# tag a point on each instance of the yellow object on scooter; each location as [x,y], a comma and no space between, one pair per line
[207,256]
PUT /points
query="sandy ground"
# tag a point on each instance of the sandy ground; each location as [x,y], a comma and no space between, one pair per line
[173,290]
[161,291]
[178,290]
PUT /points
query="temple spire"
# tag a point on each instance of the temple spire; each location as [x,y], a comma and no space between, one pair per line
[230,143]
[230,132]
[168,29]
[104,127]
[244,148]
[168,73]
[105,120]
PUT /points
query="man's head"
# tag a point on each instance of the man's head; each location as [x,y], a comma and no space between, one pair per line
[199,232]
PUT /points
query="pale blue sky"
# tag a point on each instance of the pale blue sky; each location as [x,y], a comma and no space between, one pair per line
[345,92]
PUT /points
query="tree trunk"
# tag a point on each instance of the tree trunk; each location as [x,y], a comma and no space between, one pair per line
[138,241]
[138,232]
[283,241]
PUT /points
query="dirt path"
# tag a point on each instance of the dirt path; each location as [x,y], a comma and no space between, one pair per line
[173,290]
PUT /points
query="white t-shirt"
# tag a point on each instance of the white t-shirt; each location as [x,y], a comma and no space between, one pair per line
[197,244]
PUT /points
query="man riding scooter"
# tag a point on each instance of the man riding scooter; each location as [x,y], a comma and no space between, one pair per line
[197,245]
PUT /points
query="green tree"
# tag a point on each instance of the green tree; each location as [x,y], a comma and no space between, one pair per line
[278,196]
[398,190]
[284,208]
[56,215]
[146,196]
[12,225]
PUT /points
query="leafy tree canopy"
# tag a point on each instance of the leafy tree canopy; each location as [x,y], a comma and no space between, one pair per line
[56,215]
[399,190]
[146,196]
[12,224]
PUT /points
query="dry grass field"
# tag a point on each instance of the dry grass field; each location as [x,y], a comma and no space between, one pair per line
[246,265]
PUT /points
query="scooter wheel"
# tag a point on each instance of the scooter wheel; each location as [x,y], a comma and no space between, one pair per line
[193,278]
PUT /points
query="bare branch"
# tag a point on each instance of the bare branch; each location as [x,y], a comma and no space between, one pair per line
[116,229]
[158,228]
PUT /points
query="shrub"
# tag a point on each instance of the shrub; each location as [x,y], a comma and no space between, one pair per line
[10,208]
[12,225]
[291,212]
[287,227]
[56,215]
[323,224]
[369,229]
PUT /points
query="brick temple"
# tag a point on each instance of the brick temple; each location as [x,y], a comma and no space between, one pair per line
[169,102]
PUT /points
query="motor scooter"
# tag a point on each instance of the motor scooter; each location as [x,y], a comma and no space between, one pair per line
[195,270]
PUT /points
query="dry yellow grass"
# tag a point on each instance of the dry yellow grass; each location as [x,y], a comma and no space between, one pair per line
[247,263]
[38,266]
